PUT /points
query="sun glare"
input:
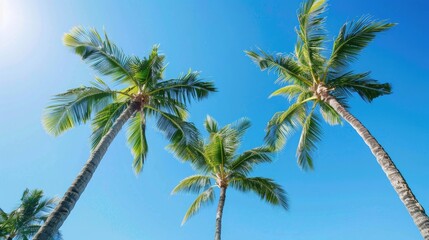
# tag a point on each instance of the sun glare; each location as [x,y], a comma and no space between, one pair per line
[19,28]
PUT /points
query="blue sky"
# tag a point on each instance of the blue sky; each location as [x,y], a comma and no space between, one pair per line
[347,196]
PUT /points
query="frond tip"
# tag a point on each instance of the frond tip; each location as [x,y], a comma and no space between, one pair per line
[204,198]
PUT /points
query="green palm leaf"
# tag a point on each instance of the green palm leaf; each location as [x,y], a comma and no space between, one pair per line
[329,114]
[211,125]
[287,69]
[284,124]
[290,92]
[136,135]
[174,128]
[104,120]
[185,88]
[101,54]
[204,198]
[149,70]
[311,35]
[216,159]
[352,38]
[265,188]
[75,107]
[245,162]
[194,184]
[310,134]
[360,83]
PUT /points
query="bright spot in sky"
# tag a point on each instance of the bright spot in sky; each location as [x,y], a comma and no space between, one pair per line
[19,28]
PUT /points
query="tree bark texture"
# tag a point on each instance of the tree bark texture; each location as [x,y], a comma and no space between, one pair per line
[398,182]
[220,212]
[65,206]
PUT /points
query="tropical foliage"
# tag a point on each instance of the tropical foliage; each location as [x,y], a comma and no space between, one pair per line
[320,80]
[309,75]
[141,92]
[23,222]
[140,81]
[221,166]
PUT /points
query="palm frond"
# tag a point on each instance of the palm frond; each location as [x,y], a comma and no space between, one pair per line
[265,188]
[329,114]
[352,38]
[217,152]
[290,92]
[185,88]
[360,83]
[287,69]
[240,127]
[101,54]
[194,153]
[310,134]
[74,107]
[211,125]
[104,120]
[194,184]
[175,129]
[204,198]
[170,106]
[244,163]
[149,70]
[311,35]
[136,136]
[284,124]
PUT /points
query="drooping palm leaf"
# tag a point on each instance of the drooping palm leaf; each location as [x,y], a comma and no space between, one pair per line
[185,88]
[284,124]
[310,135]
[245,162]
[75,107]
[265,188]
[204,198]
[136,135]
[194,184]
[104,120]
[285,67]
[359,83]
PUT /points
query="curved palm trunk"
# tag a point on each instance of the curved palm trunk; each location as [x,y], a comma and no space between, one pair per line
[65,206]
[395,177]
[220,212]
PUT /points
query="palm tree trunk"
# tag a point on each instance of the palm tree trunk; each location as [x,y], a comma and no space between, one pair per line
[220,212]
[398,182]
[65,206]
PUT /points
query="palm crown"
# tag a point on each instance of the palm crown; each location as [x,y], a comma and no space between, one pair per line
[221,166]
[25,221]
[141,87]
[312,77]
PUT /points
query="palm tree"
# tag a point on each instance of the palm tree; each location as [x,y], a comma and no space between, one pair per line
[143,93]
[315,81]
[25,221]
[220,166]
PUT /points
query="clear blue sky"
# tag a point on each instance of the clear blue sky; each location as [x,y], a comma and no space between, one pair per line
[346,197]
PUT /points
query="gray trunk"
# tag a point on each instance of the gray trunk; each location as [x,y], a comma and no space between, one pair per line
[395,177]
[220,212]
[65,206]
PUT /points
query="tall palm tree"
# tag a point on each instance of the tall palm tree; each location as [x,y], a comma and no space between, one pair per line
[220,166]
[315,81]
[143,93]
[23,222]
